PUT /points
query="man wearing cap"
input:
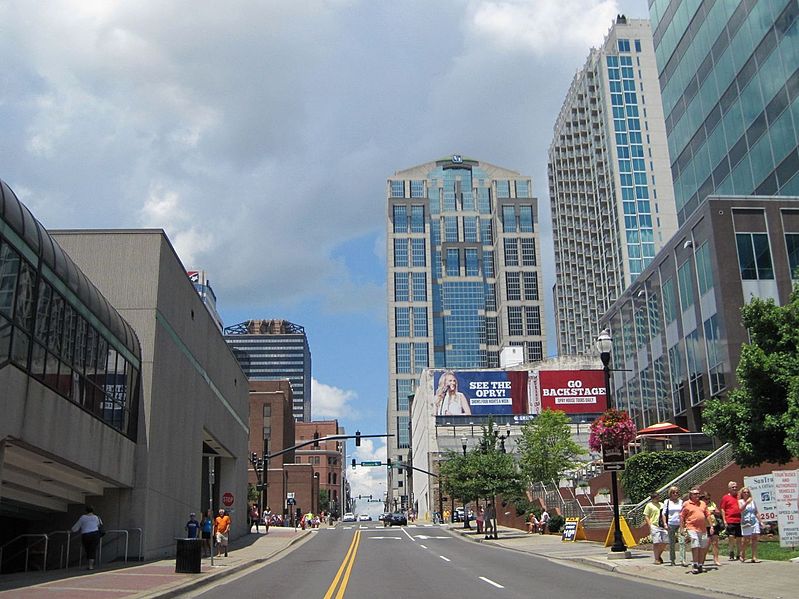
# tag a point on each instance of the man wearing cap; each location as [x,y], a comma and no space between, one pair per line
[192,527]
[694,520]
[221,531]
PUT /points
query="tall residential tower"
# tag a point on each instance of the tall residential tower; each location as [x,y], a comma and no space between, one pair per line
[463,276]
[609,181]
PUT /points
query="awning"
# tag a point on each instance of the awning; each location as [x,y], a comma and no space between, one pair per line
[662,428]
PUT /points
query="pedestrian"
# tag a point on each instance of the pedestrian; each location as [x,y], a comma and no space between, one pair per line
[207,526]
[90,527]
[255,518]
[671,520]
[532,523]
[479,520]
[731,517]
[222,532]
[446,516]
[192,527]
[750,524]
[694,520]
[654,518]
[267,518]
[714,526]
[543,521]
[490,525]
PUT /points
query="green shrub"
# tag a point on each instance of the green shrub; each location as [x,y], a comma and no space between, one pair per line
[556,523]
[647,471]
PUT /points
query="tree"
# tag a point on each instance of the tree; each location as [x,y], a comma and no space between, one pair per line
[760,418]
[324,500]
[546,447]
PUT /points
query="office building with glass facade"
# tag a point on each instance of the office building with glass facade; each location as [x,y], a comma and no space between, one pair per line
[464,276]
[272,350]
[729,75]
[609,182]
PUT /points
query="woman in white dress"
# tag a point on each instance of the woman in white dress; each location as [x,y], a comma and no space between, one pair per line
[449,401]
[750,523]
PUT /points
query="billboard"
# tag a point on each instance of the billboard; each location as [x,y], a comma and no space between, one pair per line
[570,391]
[479,392]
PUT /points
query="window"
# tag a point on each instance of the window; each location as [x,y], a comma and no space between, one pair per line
[515,326]
[669,301]
[522,189]
[488,264]
[513,286]
[419,286]
[267,410]
[417,189]
[503,189]
[508,219]
[453,265]
[9,266]
[530,285]
[400,253]
[403,358]
[397,189]
[450,228]
[526,219]
[511,252]
[483,200]
[470,229]
[535,351]
[532,317]
[417,219]
[715,356]
[420,357]
[420,322]
[418,253]
[528,252]
[404,389]
[400,219]
[402,322]
[472,263]
[791,241]
[686,285]
[703,268]
[486,231]
[624,45]
[401,286]
[754,256]
[637,44]
[491,331]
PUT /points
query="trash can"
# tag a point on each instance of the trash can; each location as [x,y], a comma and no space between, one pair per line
[189,553]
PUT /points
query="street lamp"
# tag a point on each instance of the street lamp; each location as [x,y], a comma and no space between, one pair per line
[466,524]
[604,343]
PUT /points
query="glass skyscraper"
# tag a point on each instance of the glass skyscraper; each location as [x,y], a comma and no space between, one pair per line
[275,349]
[729,74]
[609,182]
[464,275]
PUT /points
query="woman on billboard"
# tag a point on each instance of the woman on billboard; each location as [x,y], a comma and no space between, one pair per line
[449,401]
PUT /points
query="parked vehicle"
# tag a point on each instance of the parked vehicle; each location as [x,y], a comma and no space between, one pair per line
[457,515]
[349,517]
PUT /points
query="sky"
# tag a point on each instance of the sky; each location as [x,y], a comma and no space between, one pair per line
[260,137]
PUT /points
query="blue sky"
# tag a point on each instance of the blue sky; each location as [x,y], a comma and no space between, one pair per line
[260,139]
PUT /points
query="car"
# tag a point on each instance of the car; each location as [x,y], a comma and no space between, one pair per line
[397,518]
[349,517]
[457,515]
[364,518]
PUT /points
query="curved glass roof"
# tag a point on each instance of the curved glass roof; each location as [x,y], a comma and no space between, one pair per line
[36,237]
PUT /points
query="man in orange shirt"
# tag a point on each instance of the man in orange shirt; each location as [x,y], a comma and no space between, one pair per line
[694,520]
[221,531]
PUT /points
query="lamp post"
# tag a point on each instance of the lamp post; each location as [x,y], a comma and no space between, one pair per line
[466,524]
[604,344]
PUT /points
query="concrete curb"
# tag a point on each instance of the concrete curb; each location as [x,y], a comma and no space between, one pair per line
[182,589]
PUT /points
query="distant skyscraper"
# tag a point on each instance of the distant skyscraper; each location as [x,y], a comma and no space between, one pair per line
[202,284]
[275,349]
[609,182]
[463,275]
[729,75]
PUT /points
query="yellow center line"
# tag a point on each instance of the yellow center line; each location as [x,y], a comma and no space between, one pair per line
[350,556]
[346,578]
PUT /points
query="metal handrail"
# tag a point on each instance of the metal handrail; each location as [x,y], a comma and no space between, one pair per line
[140,555]
[695,475]
[100,546]
[27,549]
[62,563]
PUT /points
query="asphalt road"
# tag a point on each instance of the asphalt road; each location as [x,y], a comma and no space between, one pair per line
[367,561]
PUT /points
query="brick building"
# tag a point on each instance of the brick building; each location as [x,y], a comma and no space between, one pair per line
[328,460]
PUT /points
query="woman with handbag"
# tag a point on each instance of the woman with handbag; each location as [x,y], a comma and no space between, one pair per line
[750,524]
[90,526]
[671,521]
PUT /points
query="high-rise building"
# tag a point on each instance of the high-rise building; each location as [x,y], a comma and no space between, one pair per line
[609,181]
[464,277]
[202,284]
[729,75]
[275,349]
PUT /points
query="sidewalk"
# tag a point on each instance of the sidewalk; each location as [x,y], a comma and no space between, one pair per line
[150,579]
[766,580]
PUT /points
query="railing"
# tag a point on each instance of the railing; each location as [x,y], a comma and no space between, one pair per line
[696,475]
[116,540]
[27,549]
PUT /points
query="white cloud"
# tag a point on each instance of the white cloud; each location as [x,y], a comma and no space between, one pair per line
[331,402]
[368,480]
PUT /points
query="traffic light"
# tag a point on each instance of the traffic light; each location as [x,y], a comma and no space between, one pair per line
[370,498]
[388,462]
[316,439]
[357,438]
[253,456]
[353,463]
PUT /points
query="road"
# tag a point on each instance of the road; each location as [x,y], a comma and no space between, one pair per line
[366,561]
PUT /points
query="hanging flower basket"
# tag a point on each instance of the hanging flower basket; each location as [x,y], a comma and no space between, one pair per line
[614,428]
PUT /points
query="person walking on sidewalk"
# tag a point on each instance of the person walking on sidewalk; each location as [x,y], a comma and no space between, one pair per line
[694,519]
[671,519]
[192,527]
[750,524]
[480,516]
[255,518]
[89,525]
[207,526]
[490,524]
[731,516]
[714,526]
[653,517]
[222,532]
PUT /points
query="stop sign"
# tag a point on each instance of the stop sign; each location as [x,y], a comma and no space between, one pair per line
[227,499]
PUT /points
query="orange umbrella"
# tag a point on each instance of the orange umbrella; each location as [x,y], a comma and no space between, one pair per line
[662,428]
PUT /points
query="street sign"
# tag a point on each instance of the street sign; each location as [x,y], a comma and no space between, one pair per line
[291,501]
[613,467]
[612,458]
[371,463]
[227,499]
[290,495]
